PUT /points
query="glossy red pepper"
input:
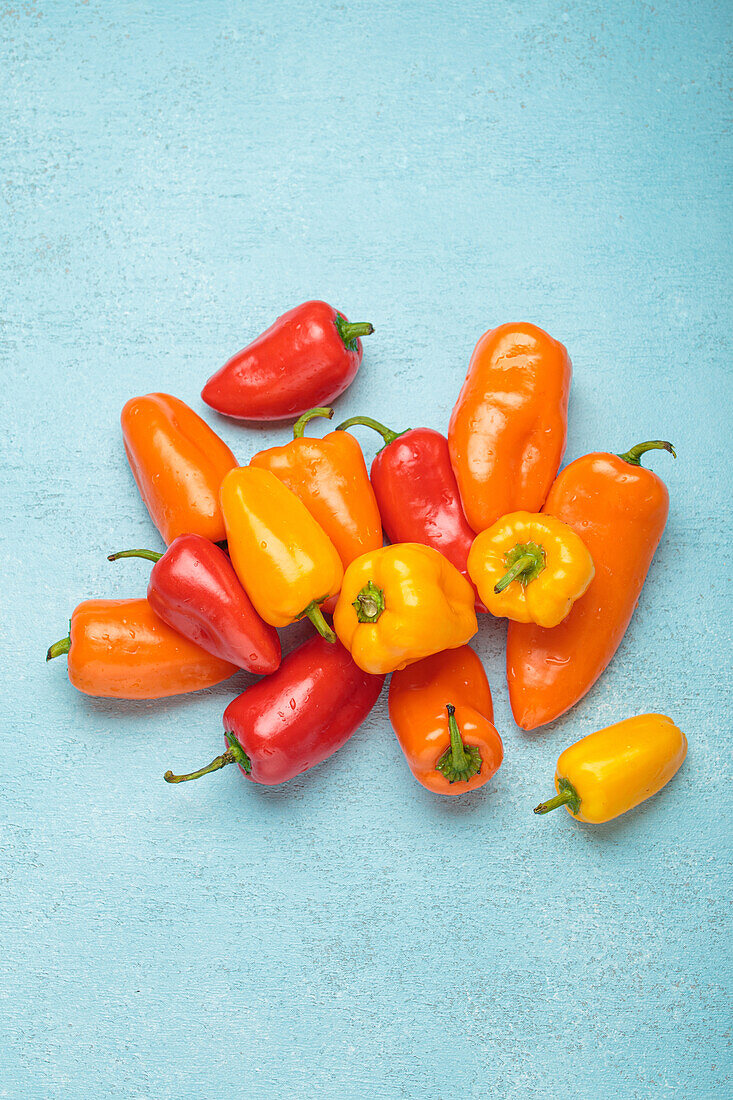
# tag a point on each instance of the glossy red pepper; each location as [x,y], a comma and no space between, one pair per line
[306,358]
[194,589]
[294,719]
[417,492]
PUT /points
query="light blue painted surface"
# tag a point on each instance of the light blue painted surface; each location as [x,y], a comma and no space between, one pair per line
[174,176]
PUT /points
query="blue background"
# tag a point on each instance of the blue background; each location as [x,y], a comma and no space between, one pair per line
[174,176]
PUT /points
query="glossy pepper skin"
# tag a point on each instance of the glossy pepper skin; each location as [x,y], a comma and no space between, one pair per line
[530,568]
[178,463]
[283,558]
[449,753]
[619,510]
[306,358]
[611,771]
[120,649]
[194,589]
[417,492]
[330,477]
[508,428]
[400,604]
[294,719]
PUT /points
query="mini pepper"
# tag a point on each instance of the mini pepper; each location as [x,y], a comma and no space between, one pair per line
[330,476]
[120,649]
[178,463]
[194,589]
[611,771]
[530,568]
[305,359]
[442,714]
[400,604]
[283,558]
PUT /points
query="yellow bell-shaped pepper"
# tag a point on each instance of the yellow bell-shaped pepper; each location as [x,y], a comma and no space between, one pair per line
[401,603]
[530,568]
[613,770]
[285,560]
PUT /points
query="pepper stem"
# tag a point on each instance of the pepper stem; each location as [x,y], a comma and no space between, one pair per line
[235,754]
[526,561]
[314,613]
[460,762]
[386,433]
[350,331]
[149,555]
[58,648]
[369,604]
[633,456]
[299,425]
[567,796]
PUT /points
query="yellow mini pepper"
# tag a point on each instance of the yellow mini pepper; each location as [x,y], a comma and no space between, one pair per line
[286,562]
[530,568]
[613,770]
[401,603]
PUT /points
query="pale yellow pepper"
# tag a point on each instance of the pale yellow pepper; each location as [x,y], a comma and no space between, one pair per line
[616,768]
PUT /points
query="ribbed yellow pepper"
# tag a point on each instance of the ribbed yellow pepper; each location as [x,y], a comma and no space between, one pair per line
[285,560]
[530,568]
[401,603]
[613,770]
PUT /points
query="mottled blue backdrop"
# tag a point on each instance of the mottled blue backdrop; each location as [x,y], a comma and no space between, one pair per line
[174,175]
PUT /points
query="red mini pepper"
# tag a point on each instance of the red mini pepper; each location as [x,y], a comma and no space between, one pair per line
[306,358]
[294,719]
[417,492]
[194,589]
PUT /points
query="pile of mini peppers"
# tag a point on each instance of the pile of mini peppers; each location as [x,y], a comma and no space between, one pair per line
[479,521]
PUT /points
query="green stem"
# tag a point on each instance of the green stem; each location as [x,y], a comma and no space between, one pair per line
[314,613]
[149,555]
[369,604]
[300,424]
[58,648]
[460,762]
[527,561]
[633,456]
[567,796]
[350,331]
[235,754]
[386,433]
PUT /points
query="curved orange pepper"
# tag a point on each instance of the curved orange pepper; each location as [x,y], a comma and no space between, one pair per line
[508,427]
[330,476]
[178,463]
[442,714]
[120,649]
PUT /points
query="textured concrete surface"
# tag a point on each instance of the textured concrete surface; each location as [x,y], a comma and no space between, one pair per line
[173,176]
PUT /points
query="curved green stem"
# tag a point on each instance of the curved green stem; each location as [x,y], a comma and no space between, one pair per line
[567,796]
[299,425]
[520,565]
[314,613]
[460,762]
[526,561]
[58,648]
[149,555]
[350,331]
[386,433]
[235,754]
[369,604]
[633,456]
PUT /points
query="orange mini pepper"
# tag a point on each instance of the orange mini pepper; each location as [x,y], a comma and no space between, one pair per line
[508,427]
[285,561]
[178,463]
[611,771]
[441,711]
[120,649]
[400,604]
[530,568]
[330,476]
